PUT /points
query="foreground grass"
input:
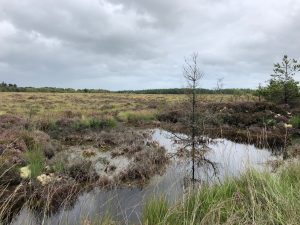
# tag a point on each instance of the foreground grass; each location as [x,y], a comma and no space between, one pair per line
[254,198]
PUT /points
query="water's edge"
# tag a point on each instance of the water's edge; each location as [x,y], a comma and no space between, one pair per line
[126,204]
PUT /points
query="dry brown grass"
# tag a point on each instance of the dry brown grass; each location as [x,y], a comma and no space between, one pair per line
[56,105]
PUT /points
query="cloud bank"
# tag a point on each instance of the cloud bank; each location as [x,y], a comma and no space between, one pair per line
[140,44]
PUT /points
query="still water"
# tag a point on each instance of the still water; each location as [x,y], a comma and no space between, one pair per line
[126,204]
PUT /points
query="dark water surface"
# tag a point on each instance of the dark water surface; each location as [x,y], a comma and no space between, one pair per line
[126,204]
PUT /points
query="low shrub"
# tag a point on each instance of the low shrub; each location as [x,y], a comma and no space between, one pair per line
[82,172]
[170,116]
[271,122]
[94,124]
[58,167]
[295,121]
[52,197]
[9,175]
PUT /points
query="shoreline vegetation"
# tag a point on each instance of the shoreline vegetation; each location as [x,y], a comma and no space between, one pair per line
[253,198]
[66,143]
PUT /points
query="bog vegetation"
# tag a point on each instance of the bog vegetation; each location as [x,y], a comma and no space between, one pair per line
[57,143]
[282,87]
[254,198]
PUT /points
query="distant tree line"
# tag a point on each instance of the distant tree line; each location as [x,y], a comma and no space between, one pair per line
[4,87]
[184,91]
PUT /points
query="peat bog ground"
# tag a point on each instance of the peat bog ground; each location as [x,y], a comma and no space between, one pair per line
[57,148]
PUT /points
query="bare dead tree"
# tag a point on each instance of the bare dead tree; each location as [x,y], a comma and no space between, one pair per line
[193,75]
[192,121]
[220,85]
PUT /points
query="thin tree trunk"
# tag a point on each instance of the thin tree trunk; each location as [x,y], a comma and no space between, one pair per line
[285,84]
[193,131]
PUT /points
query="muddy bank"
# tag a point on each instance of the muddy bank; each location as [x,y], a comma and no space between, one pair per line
[260,123]
[47,173]
[60,159]
[115,156]
[125,205]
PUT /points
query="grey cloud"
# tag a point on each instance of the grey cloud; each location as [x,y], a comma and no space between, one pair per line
[142,44]
[85,25]
[165,14]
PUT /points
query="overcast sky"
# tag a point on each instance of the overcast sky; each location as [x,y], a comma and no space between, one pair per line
[141,44]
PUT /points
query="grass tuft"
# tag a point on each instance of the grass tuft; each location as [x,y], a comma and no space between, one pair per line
[36,158]
[136,117]
[254,198]
[155,210]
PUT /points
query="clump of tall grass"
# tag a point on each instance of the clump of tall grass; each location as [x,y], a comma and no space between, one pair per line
[36,159]
[254,198]
[155,210]
[138,116]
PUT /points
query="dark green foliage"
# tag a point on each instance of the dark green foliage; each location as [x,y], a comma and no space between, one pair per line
[275,91]
[4,87]
[232,91]
[259,92]
[295,121]
[282,87]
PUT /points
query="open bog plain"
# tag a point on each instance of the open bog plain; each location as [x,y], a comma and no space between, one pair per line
[116,157]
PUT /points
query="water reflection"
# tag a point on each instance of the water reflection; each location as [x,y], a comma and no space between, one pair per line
[126,204]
